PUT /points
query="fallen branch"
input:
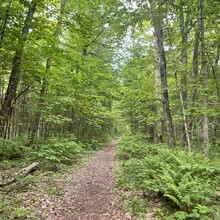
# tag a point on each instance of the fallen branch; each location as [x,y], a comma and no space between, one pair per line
[21,173]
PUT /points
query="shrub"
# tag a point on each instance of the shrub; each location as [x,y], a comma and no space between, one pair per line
[11,149]
[189,181]
[130,147]
[57,153]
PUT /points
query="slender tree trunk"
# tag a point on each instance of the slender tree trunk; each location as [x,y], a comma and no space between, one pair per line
[40,105]
[39,110]
[158,26]
[181,94]
[194,76]
[195,67]
[205,121]
[158,124]
[4,22]
[215,70]
[10,96]
[184,35]
[183,87]
[164,87]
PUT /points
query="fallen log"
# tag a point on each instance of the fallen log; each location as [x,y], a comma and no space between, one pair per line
[23,172]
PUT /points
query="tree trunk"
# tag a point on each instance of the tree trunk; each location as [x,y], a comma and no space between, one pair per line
[158,26]
[4,22]
[184,35]
[181,93]
[39,108]
[205,121]
[158,135]
[183,87]
[215,70]
[44,84]
[195,67]
[194,76]
[10,96]
[23,172]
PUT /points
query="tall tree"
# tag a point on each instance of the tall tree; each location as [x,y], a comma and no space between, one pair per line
[10,96]
[184,36]
[40,104]
[205,123]
[4,23]
[194,81]
[157,20]
[181,87]
[158,123]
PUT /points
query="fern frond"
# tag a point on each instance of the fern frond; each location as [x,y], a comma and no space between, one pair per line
[173,199]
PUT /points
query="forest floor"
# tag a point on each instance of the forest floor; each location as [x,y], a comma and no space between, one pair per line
[86,194]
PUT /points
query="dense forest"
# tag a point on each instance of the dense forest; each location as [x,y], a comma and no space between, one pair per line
[75,73]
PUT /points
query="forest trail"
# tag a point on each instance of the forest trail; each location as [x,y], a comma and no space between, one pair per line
[88,194]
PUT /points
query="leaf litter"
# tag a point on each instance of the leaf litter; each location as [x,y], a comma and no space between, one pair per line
[86,194]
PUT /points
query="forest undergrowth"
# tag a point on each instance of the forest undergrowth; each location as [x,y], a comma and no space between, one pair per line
[167,183]
[157,182]
[56,158]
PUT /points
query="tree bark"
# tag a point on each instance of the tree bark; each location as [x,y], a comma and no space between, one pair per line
[184,35]
[215,70]
[195,67]
[23,172]
[4,22]
[184,80]
[158,26]
[195,73]
[205,121]
[7,106]
[158,135]
[181,93]
[39,108]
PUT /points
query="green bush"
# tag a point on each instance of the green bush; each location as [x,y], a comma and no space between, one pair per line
[57,153]
[12,149]
[189,181]
[92,144]
[52,154]
[131,147]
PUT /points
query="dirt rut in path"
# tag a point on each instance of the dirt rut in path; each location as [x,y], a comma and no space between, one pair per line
[88,194]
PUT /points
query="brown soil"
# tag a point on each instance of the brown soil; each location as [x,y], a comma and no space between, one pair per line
[86,195]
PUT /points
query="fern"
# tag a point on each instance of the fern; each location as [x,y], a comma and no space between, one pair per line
[189,181]
[173,198]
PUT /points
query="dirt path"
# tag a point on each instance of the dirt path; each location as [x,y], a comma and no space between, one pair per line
[88,194]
